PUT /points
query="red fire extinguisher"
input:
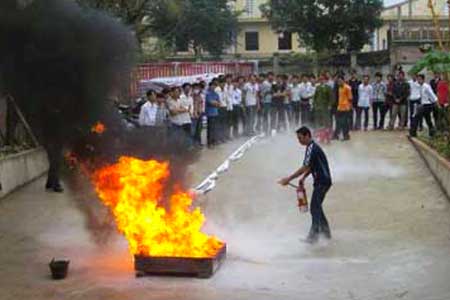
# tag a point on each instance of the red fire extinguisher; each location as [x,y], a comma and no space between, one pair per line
[302,199]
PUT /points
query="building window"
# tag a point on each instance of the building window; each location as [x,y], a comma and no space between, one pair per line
[384,44]
[285,41]
[181,45]
[250,7]
[251,41]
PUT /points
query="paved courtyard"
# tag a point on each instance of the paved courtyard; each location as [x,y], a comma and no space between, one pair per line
[390,222]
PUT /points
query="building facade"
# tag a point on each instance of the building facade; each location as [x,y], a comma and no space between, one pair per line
[256,38]
[410,22]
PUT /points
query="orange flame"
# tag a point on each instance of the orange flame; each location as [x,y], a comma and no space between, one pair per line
[133,190]
[98,128]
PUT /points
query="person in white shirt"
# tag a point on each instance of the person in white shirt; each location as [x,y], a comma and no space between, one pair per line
[228,92]
[147,116]
[251,101]
[266,94]
[414,99]
[238,110]
[295,98]
[306,91]
[222,118]
[179,108]
[365,92]
[428,102]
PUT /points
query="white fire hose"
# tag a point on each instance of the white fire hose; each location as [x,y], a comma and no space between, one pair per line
[209,183]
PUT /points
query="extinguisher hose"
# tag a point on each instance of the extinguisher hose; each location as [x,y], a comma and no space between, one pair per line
[293,185]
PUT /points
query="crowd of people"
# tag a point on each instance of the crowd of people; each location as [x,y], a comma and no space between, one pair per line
[235,106]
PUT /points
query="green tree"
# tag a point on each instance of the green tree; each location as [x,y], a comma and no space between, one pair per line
[326,25]
[200,24]
[133,13]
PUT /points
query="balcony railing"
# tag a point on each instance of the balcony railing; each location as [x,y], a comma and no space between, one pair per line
[417,35]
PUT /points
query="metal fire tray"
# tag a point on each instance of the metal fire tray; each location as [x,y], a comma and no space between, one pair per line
[179,266]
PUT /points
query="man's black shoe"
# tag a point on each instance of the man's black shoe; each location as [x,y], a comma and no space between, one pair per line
[58,189]
[326,234]
[312,238]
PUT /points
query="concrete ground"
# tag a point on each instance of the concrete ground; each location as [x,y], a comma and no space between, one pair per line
[390,221]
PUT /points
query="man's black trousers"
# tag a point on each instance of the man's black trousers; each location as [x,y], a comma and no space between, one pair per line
[319,221]
[423,111]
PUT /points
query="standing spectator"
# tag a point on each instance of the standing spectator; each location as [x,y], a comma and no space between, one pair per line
[379,106]
[435,81]
[180,108]
[222,111]
[323,102]
[162,114]
[287,99]
[434,85]
[401,93]
[414,100]
[295,97]
[331,81]
[390,94]
[442,93]
[335,88]
[428,101]
[344,109]
[306,95]
[197,116]
[147,115]
[259,114]
[251,90]
[212,103]
[354,83]
[238,110]
[279,115]
[228,94]
[365,92]
[266,97]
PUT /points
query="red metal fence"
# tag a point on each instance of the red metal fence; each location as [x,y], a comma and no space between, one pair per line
[150,71]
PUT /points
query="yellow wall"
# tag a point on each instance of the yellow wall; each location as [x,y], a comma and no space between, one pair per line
[268,40]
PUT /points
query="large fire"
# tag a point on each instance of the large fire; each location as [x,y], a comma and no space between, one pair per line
[133,190]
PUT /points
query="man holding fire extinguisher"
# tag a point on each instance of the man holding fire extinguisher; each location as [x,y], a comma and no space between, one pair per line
[315,163]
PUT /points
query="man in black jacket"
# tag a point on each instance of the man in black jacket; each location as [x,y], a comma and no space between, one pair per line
[354,84]
[401,92]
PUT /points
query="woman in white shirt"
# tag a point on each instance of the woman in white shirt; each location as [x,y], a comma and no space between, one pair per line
[365,92]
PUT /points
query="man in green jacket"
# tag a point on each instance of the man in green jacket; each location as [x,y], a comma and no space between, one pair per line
[323,101]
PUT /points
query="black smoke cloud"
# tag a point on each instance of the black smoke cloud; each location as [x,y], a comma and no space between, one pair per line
[61,63]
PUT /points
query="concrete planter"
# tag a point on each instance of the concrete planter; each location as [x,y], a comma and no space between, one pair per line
[438,165]
[19,169]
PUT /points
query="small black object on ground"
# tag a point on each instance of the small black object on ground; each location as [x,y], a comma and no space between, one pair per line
[59,268]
